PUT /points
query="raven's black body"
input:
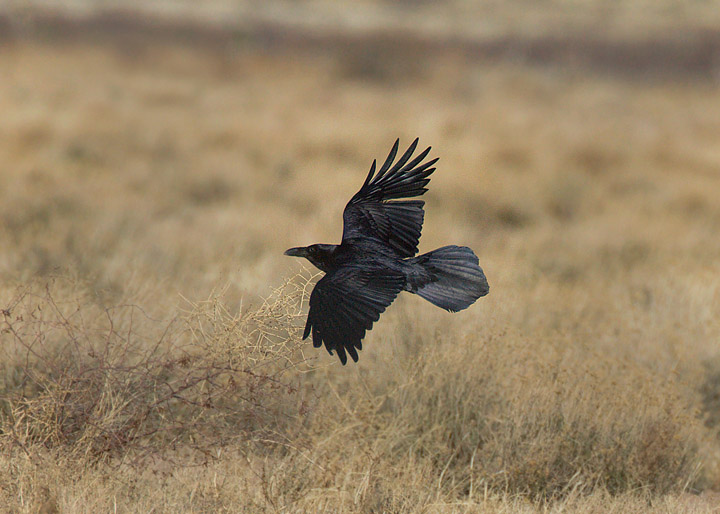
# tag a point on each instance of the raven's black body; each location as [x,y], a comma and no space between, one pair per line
[376,259]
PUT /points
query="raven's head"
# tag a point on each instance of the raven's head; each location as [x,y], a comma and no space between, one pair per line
[320,255]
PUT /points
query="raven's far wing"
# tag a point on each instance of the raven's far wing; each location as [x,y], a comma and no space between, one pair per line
[397,223]
[345,303]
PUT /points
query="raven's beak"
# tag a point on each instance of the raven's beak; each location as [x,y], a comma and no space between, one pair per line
[297,252]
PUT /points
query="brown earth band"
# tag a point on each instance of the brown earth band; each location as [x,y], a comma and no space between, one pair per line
[684,54]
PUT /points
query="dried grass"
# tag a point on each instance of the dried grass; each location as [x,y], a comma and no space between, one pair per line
[586,382]
[100,383]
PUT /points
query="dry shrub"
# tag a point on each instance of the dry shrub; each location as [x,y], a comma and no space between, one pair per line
[99,382]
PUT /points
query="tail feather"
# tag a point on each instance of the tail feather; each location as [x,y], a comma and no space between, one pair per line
[458,278]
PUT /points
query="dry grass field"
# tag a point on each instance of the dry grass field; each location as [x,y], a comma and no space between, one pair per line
[150,358]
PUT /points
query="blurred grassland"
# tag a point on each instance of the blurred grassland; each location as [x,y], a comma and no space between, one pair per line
[149,190]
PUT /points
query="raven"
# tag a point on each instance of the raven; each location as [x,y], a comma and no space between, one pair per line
[376,259]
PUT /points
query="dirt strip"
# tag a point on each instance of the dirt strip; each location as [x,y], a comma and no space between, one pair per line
[684,54]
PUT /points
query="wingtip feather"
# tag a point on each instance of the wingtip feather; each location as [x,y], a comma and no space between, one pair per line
[306,332]
[372,172]
[390,158]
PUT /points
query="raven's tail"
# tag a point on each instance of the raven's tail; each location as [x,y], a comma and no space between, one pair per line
[458,279]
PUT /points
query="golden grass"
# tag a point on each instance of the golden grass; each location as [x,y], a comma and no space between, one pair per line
[147,200]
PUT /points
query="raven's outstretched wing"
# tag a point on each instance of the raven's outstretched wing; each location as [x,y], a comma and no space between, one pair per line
[345,303]
[398,224]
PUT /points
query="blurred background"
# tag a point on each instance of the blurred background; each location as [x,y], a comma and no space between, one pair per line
[162,150]
[178,139]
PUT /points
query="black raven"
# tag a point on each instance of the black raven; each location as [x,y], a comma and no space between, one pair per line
[376,258]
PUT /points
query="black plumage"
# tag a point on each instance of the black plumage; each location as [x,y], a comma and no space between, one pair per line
[376,259]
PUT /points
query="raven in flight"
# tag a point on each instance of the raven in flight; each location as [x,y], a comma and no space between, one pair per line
[376,258]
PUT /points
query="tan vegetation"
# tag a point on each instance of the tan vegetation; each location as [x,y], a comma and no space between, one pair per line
[150,357]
